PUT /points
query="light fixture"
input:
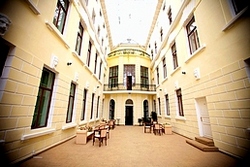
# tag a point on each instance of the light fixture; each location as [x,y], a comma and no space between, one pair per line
[183,72]
[69,63]
[97,86]
[160,89]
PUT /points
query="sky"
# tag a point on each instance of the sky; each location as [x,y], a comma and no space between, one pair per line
[130,19]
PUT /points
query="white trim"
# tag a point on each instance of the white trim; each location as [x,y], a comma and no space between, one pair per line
[234,19]
[37,134]
[68,126]
[52,28]
[180,118]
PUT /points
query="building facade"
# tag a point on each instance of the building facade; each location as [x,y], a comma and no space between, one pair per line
[59,71]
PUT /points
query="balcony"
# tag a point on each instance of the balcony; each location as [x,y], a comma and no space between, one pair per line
[136,88]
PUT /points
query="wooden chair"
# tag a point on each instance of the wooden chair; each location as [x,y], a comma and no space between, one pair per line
[147,125]
[100,134]
[157,129]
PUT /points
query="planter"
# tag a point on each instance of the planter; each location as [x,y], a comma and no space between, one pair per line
[168,129]
[81,136]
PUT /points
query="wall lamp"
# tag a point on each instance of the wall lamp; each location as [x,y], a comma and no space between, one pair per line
[69,63]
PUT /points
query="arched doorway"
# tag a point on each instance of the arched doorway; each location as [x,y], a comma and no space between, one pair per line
[145,110]
[129,112]
[111,109]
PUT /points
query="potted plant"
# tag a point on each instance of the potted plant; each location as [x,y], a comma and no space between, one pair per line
[154,116]
[168,128]
[82,134]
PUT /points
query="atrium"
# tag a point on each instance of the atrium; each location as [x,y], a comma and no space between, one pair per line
[72,63]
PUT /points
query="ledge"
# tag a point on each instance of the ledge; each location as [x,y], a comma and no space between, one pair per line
[33,7]
[196,52]
[230,23]
[74,53]
[180,118]
[37,134]
[52,28]
[68,126]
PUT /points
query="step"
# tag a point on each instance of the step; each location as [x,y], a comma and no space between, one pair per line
[204,140]
[201,146]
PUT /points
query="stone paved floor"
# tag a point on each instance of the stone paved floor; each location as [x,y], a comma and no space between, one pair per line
[128,146]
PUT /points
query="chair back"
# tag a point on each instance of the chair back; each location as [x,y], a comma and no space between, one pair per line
[103,132]
[157,126]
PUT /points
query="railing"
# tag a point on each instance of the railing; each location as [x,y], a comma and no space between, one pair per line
[134,87]
[128,51]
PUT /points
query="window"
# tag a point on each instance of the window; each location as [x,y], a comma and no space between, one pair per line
[98,31]
[100,70]
[79,39]
[161,34]
[129,76]
[170,15]
[97,106]
[93,17]
[193,38]
[61,14]
[92,105]
[238,5]
[144,77]
[96,56]
[89,54]
[159,101]
[155,48]
[179,101]
[174,54]
[113,76]
[4,50]
[164,67]
[167,105]
[152,54]
[43,101]
[71,103]
[154,105]
[84,104]
[157,75]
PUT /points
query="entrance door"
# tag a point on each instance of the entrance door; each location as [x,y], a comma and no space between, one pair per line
[203,118]
[129,115]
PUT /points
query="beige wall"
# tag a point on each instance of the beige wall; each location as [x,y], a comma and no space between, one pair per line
[35,40]
[223,76]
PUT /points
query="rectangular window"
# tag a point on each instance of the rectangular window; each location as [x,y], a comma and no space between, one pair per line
[179,101]
[61,14]
[192,34]
[161,34]
[84,104]
[170,15]
[164,67]
[92,105]
[43,101]
[71,103]
[144,77]
[167,105]
[113,76]
[174,54]
[159,102]
[97,106]
[89,54]
[93,16]
[157,75]
[96,56]
[154,105]
[100,70]
[79,39]
[238,5]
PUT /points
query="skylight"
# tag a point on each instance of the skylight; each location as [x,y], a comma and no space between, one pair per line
[130,20]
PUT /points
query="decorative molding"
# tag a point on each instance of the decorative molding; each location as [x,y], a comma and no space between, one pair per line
[37,134]
[4,24]
[33,7]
